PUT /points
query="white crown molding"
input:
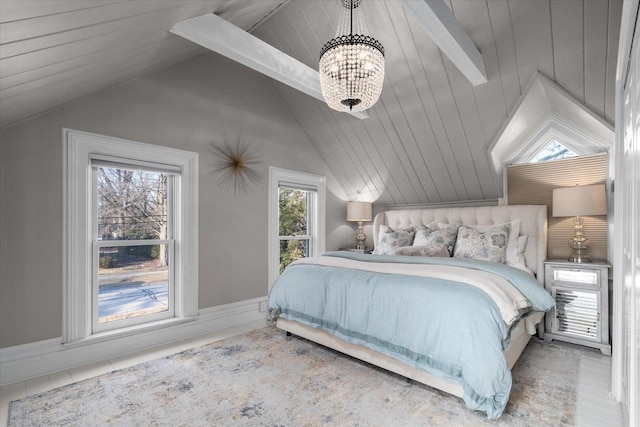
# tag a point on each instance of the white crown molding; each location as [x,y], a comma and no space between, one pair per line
[22,362]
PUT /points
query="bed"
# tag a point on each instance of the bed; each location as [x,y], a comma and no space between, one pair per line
[453,323]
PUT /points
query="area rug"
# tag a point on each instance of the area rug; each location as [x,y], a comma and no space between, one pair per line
[264,378]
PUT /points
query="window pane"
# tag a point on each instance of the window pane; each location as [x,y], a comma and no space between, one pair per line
[291,250]
[292,212]
[132,204]
[553,151]
[133,281]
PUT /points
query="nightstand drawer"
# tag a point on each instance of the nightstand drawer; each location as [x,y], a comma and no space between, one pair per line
[590,278]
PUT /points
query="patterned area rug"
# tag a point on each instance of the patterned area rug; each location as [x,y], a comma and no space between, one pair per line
[264,378]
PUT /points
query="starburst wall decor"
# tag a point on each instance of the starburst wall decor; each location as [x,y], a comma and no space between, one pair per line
[236,166]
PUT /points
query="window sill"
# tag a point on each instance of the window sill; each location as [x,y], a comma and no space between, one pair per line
[126,332]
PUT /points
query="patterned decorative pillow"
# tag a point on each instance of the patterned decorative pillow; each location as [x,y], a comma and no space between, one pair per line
[434,250]
[490,245]
[389,239]
[511,254]
[445,236]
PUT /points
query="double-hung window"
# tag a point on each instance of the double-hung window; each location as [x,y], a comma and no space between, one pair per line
[131,242]
[295,214]
[296,218]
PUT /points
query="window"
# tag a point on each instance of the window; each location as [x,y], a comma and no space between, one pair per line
[131,239]
[553,151]
[296,218]
[294,207]
[133,245]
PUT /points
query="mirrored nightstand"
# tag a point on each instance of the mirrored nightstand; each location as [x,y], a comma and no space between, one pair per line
[581,292]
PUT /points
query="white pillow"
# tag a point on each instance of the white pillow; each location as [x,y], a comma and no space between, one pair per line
[433,225]
[522,246]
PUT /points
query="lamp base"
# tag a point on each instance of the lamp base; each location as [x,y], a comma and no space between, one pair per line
[360,237]
[579,257]
[580,244]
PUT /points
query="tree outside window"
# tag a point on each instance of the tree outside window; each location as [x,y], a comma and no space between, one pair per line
[293,217]
[553,151]
[133,243]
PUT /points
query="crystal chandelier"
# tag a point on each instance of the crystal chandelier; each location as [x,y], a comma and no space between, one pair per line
[352,63]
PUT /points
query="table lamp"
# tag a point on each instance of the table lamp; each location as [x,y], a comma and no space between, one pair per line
[578,201]
[359,211]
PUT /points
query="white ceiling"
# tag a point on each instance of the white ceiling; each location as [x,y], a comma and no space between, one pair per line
[425,141]
[54,51]
[427,138]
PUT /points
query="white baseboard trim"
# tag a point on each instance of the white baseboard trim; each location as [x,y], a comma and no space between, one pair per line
[22,362]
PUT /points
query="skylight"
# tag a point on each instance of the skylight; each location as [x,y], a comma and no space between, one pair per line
[553,151]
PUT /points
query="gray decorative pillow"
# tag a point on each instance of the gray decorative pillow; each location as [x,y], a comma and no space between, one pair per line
[434,250]
[490,245]
[389,239]
[445,236]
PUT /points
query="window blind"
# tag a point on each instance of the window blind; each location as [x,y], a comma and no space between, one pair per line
[294,186]
[533,184]
[103,160]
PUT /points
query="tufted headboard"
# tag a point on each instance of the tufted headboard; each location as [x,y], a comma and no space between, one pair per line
[533,224]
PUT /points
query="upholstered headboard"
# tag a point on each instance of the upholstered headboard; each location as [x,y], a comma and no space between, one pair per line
[533,223]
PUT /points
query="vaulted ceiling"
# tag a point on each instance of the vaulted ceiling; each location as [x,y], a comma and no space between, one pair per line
[54,51]
[427,138]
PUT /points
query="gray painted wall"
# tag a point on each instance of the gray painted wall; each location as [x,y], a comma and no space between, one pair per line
[186,106]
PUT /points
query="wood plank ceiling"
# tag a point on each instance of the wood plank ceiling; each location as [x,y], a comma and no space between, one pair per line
[426,139]
[54,51]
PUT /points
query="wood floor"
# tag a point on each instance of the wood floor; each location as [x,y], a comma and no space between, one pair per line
[595,408]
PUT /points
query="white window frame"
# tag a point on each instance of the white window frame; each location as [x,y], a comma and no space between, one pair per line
[78,206]
[316,211]
[557,127]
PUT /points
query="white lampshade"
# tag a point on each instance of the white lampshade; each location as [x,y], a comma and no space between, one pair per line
[580,200]
[359,211]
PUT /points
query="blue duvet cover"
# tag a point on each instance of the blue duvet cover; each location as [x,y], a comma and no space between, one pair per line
[448,328]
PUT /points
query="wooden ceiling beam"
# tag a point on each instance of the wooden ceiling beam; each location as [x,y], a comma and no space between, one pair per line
[221,36]
[443,28]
